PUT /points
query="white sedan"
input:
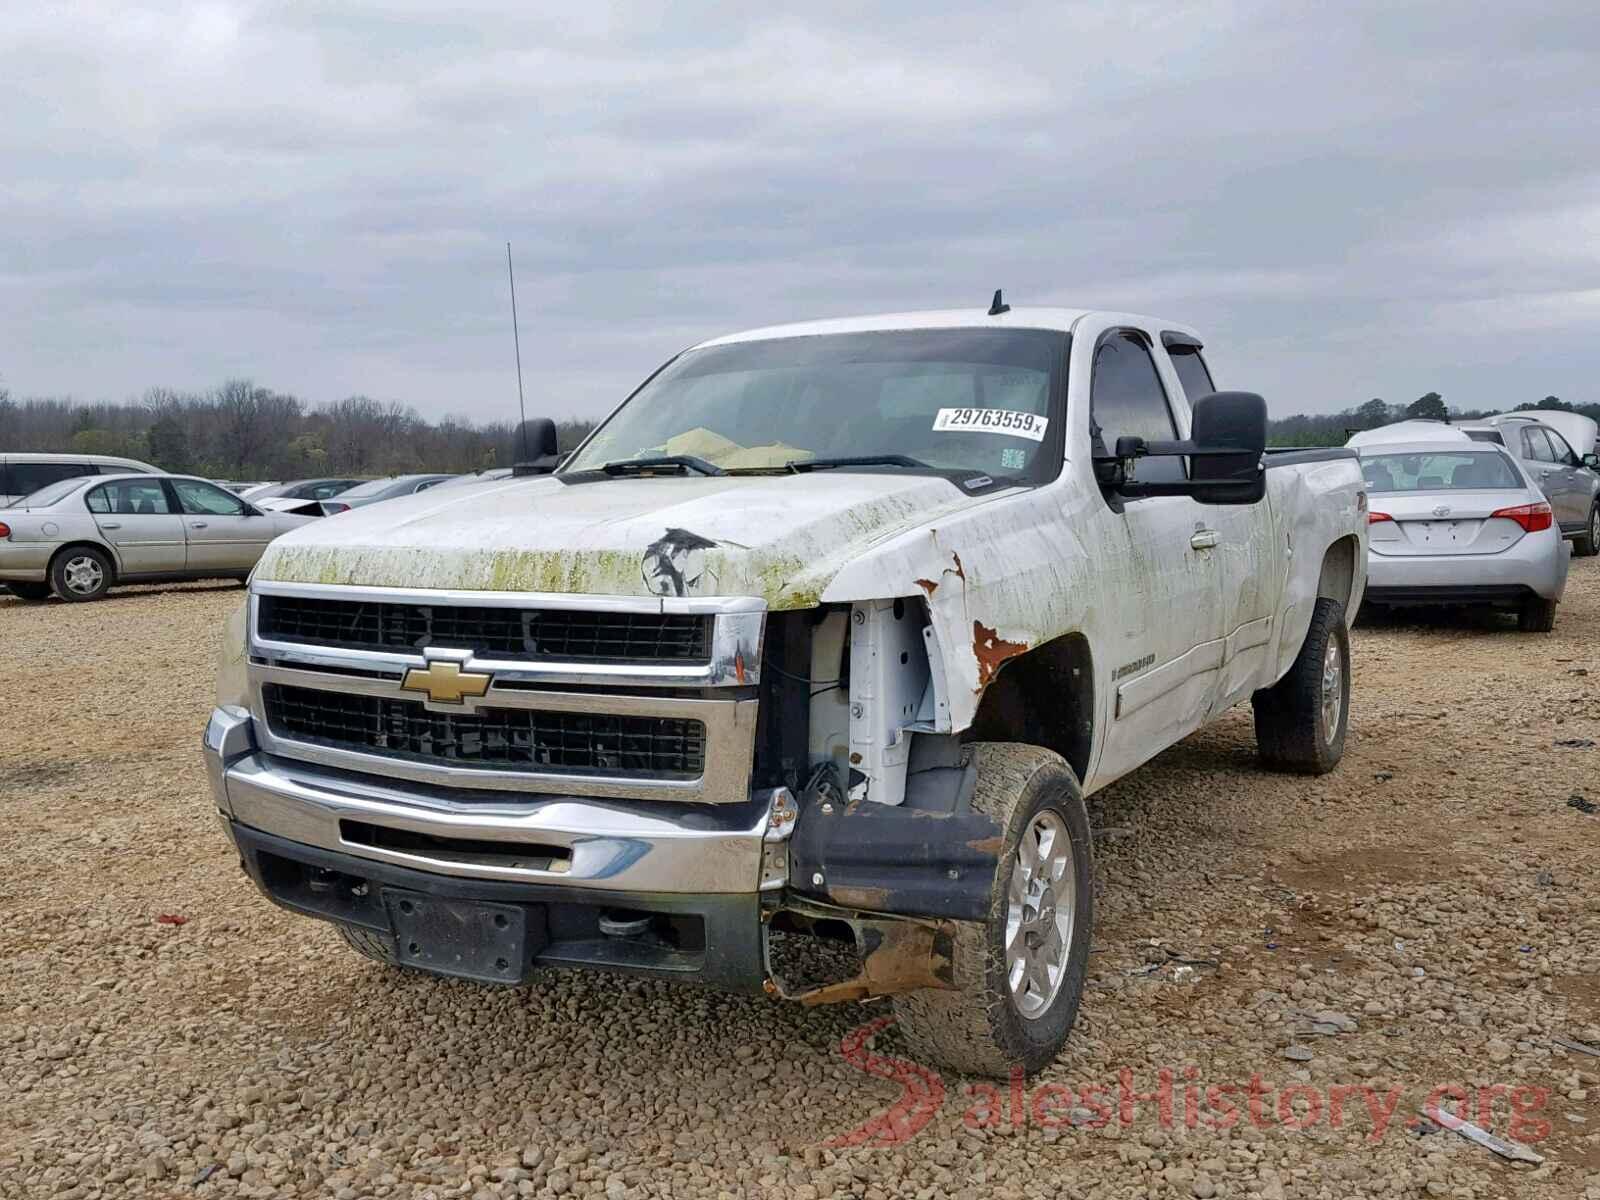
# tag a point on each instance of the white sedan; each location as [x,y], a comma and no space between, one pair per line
[81,536]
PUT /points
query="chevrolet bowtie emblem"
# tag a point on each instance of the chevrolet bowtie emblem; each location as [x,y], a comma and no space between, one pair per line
[445,682]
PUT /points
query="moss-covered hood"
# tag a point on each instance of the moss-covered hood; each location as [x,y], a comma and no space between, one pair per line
[779,537]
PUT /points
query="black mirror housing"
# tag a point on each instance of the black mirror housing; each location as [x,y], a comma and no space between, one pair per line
[537,442]
[1226,449]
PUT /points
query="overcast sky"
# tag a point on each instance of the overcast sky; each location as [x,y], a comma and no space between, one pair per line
[1349,200]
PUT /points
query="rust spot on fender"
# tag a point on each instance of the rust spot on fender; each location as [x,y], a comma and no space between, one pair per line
[927,585]
[855,758]
[961,571]
[989,845]
[991,650]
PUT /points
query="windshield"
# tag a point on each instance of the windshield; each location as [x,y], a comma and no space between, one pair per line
[1455,471]
[967,400]
[50,493]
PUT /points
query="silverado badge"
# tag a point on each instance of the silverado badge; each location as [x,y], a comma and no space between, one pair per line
[445,682]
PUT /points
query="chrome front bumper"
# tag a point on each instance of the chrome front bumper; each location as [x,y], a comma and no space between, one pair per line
[644,887]
[646,847]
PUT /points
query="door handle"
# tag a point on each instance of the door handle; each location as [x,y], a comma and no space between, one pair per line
[1204,539]
[110,524]
[197,524]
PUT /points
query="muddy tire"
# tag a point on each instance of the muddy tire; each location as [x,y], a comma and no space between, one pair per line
[1587,543]
[81,573]
[1537,615]
[1301,720]
[33,592]
[1015,1008]
[369,944]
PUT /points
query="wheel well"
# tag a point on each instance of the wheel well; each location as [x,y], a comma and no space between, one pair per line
[1043,698]
[83,545]
[1339,572]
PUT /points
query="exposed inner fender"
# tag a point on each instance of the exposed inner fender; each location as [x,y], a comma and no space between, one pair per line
[1044,697]
[1339,573]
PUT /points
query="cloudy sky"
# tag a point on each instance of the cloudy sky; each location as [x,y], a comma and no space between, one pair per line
[1350,200]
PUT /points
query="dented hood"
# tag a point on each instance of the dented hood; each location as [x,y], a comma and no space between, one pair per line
[782,538]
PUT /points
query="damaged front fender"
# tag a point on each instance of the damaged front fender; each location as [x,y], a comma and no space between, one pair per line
[896,860]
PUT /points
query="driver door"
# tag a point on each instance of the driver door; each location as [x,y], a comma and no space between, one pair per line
[225,535]
[1163,664]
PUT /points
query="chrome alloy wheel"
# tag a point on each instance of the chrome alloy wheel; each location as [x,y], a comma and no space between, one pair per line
[83,575]
[1332,690]
[1039,915]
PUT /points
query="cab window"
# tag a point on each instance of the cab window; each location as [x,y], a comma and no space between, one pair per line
[1126,399]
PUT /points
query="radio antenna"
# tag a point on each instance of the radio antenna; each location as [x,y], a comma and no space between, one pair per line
[516,341]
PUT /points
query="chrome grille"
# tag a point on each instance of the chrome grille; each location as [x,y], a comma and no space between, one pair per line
[508,738]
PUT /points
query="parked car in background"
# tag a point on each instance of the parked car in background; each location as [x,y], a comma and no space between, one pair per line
[1453,522]
[79,537]
[375,490]
[301,489]
[1572,488]
[239,487]
[22,474]
[1420,429]
[489,476]
[1580,431]
[287,504]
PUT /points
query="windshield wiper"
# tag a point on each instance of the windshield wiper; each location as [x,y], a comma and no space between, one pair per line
[630,466]
[861,460]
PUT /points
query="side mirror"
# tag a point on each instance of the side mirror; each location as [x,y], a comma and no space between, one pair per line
[537,443]
[1225,453]
[1592,461]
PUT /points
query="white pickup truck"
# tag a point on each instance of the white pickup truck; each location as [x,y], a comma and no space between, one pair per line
[826,632]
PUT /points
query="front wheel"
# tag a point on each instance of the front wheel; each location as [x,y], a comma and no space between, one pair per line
[1018,974]
[1301,720]
[1587,543]
[81,573]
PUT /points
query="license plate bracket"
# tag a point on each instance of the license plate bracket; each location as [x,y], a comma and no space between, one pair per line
[472,939]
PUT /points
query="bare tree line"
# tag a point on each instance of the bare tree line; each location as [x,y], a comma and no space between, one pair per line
[241,430]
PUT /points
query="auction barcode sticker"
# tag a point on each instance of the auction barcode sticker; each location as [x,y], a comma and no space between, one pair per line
[991,420]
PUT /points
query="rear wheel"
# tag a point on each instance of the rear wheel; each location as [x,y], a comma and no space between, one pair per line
[1537,615]
[1301,720]
[81,573]
[30,591]
[1587,543]
[1019,974]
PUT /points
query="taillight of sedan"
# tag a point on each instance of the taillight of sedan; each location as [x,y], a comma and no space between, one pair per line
[5,530]
[1533,518]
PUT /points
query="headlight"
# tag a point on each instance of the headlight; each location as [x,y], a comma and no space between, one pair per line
[232,674]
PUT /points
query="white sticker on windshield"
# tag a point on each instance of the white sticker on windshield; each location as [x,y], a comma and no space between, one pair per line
[991,420]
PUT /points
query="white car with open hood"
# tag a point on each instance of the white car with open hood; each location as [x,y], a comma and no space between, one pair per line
[826,631]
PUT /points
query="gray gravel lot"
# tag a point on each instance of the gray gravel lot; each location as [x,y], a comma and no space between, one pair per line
[1428,914]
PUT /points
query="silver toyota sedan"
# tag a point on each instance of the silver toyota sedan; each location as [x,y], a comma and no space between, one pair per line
[1461,523]
[79,537]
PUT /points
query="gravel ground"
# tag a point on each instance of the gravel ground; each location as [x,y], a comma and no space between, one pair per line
[1427,914]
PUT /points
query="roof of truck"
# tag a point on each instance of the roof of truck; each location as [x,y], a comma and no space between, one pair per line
[1061,319]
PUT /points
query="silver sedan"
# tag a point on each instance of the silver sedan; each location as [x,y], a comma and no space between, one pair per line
[1461,523]
[79,537]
